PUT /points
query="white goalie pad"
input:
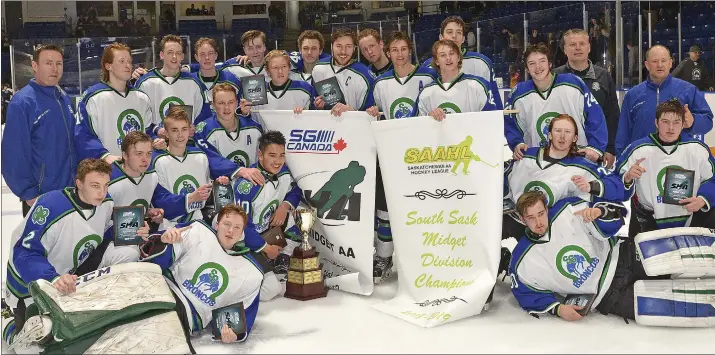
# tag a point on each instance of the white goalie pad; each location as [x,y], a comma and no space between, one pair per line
[681,252]
[675,303]
[161,334]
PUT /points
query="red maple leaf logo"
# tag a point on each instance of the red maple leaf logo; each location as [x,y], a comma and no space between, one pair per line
[340,145]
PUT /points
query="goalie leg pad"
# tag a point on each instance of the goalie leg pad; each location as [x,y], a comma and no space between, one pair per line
[271,287]
[160,334]
[683,252]
[675,303]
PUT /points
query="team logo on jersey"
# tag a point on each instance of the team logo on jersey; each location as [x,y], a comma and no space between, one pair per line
[129,120]
[209,281]
[244,187]
[543,188]
[449,107]
[164,106]
[575,264]
[542,125]
[660,180]
[595,86]
[84,249]
[185,185]
[315,141]
[200,126]
[39,216]
[239,157]
[696,74]
[402,108]
[443,159]
[265,217]
[338,192]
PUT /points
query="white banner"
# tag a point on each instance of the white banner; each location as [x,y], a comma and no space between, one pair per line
[333,161]
[443,183]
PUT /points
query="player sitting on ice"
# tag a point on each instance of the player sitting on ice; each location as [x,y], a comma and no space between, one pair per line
[209,268]
[571,250]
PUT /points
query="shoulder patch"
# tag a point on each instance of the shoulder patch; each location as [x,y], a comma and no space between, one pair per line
[200,126]
[39,216]
[244,187]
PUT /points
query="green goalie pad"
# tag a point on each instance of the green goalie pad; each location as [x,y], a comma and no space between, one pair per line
[104,298]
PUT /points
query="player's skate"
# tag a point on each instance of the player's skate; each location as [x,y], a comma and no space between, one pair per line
[381,269]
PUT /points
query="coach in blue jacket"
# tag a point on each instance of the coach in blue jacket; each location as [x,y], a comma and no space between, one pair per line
[38,143]
[638,109]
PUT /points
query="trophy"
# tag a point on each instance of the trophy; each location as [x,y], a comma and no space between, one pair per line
[305,276]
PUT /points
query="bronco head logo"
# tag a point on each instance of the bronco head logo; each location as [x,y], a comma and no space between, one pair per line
[402,108]
[210,280]
[185,185]
[129,120]
[574,263]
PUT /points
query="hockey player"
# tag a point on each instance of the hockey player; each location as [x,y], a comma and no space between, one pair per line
[283,93]
[546,96]
[580,237]
[643,167]
[170,86]
[206,53]
[59,234]
[395,94]
[109,110]
[184,170]
[231,136]
[558,171]
[310,45]
[373,48]
[134,182]
[477,64]
[453,91]
[268,206]
[254,45]
[355,80]
[209,268]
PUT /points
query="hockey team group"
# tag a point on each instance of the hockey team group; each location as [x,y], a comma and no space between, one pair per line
[160,138]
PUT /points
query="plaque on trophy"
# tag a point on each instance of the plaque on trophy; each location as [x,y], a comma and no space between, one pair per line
[678,185]
[583,300]
[234,316]
[222,194]
[275,236]
[127,221]
[305,275]
[330,91]
[254,89]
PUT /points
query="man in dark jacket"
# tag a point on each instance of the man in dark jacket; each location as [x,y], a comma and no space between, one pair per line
[38,143]
[694,71]
[577,48]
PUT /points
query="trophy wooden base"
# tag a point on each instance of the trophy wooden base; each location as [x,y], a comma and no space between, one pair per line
[305,276]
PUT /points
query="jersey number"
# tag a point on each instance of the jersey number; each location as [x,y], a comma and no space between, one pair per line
[27,239]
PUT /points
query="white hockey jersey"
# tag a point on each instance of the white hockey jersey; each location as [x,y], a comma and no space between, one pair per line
[294,75]
[473,63]
[183,89]
[466,93]
[241,70]
[296,94]
[356,82]
[241,147]
[396,97]
[182,176]
[105,116]
[144,191]
[55,238]
[553,179]
[221,77]
[689,154]
[208,276]
[568,94]
[573,257]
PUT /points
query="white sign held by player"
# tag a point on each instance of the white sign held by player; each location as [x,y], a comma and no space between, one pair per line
[443,183]
[333,161]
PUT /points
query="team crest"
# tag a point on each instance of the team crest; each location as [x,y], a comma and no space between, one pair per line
[266,214]
[85,248]
[542,125]
[168,102]
[39,216]
[185,185]
[543,188]
[449,107]
[575,264]
[200,126]
[402,108]
[209,281]
[239,157]
[595,86]
[244,187]
[129,120]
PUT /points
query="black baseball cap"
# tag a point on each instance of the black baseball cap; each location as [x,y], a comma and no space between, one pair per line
[695,49]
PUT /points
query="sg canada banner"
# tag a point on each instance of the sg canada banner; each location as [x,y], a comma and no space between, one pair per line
[333,161]
[443,183]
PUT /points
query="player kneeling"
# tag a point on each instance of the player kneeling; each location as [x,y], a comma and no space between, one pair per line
[209,268]
[594,271]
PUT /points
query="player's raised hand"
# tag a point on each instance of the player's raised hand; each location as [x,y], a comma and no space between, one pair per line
[692,204]
[253,175]
[227,335]
[242,59]
[588,214]
[143,232]
[156,214]
[373,111]
[65,284]
[339,108]
[298,110]
[319,103]
[688,118]
[519,151]
[201,194]
[138,72]
[173,235]
[635,172]
[590,154]
[438,114]
[245,107]
[223,180]
[569,312]
[159,144]
[581,183]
